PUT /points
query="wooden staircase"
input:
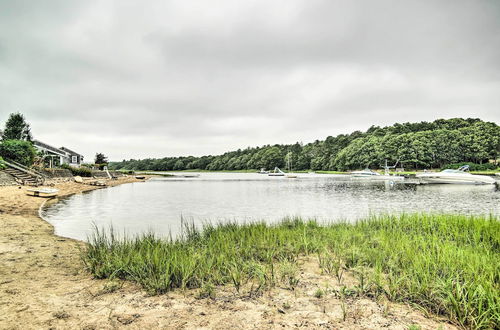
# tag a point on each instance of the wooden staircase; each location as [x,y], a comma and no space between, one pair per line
[23,175]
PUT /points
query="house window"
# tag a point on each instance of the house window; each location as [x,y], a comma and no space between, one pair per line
[74,159]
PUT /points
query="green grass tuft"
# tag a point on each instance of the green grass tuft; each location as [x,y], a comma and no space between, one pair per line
[447,264]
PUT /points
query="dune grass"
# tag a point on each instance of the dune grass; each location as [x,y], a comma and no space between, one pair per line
[447,264]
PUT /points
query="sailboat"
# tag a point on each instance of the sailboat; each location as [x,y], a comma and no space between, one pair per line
[276,172]
[290,175]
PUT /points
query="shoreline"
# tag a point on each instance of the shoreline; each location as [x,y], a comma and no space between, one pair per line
[47,202]
[43,284]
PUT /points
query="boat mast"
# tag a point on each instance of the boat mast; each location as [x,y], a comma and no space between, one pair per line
[289,161]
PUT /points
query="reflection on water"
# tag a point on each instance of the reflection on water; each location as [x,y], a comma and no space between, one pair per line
[159,204]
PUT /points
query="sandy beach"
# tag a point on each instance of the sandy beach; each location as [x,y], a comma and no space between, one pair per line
[43,285]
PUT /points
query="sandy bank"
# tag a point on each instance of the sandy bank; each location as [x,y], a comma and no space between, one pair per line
[43,285]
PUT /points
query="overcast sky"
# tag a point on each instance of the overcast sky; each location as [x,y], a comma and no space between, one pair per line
[137,79]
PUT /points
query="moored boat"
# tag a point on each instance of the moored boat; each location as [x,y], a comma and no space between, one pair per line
[459,176]
[368,174]
[190,175]
[276,172]
[364,173]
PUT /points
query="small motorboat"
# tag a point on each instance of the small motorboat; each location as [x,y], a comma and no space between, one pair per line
[364,173]
[276,172]
[189,175]
[263,171]
[42,192]
[140,177]
[460,176]
[368,174]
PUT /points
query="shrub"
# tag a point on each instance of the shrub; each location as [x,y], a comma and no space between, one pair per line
[2,165]
[78,171]
[19,151]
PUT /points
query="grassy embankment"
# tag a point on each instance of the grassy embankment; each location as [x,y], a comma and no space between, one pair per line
[446,264]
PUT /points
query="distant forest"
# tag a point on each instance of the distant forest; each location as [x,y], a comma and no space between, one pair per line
[415,145]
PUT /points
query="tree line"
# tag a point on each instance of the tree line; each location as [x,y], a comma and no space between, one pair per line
[413,145]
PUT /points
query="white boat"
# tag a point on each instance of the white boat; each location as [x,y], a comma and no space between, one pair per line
[263,171]
[364,173]
[42,192]
[460,176]
[188,175]
[277,172]
[368,174]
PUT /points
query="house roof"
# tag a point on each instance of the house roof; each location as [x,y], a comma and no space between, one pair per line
[49,147]
[71,151]
[60,151]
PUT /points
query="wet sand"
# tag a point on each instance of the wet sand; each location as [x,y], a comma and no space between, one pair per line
[43,285]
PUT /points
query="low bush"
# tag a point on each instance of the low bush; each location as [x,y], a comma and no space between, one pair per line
[19,151]
[78,171]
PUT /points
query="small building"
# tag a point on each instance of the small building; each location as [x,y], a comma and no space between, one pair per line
[58,156]
[74,158]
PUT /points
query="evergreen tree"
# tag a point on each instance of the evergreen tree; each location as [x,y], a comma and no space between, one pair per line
[100,158]
[16,128]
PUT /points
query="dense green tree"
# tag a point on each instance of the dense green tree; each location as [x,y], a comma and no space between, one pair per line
[414,145]
[19,151]
[16,128]
[100,158]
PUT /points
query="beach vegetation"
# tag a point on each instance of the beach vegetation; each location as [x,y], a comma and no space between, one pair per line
[445,264]
[319,293]
[82,171]
[19,151]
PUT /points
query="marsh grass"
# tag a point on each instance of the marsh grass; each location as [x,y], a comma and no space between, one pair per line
[447,264]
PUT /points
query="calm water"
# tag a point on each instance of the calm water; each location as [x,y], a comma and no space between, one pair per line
[161,203]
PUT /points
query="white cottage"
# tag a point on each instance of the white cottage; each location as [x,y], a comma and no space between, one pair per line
[58,155]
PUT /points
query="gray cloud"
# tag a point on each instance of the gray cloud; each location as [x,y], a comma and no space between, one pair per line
[135,79]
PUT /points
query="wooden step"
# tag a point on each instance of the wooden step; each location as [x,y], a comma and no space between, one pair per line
[22,177]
